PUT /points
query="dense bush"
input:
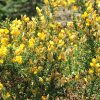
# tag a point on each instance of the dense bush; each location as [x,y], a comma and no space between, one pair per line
[42,59]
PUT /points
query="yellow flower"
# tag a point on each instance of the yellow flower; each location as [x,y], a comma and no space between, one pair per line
[75,45]
[46,2]
[61,34]
[98,71]
[39,11]
[41,79]
[34,70]
[31,42]
[1,31]
[77,77]
[9,45]
[90,8]
[43,98]
[50,47]
[4,41]
[51,42]
[52,3]
[40,68]
[6,31]
[41,35]
[74,8]
[91,71]
[1,61]
[1,86]
[88,22]
[98,18]
[92,64]
[52,25]
[98,58]
[70,24]
[15,31]
[60,43]
[72,37]
[85,79]
[8,95]
[64,3]
[16,23]
[99,4]
[97,65]
[94,60]
[26,19]
[17,51]
[3,51]
[18,59]
[42,18]
[70,2]
[21,46]
[84,15]
[61,56]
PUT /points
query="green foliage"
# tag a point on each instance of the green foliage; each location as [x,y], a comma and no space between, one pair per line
[15,8]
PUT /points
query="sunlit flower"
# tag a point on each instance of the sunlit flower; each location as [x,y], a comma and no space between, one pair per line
[18,59]
[41,35]
[91,71]
[1,86]
[85,15]
[8,95]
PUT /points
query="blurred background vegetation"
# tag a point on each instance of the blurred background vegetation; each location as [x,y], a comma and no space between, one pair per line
[15,8]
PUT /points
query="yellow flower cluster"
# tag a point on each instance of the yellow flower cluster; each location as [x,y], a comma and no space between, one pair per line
[56,3]
[1,86]
[95,66]
[17,59]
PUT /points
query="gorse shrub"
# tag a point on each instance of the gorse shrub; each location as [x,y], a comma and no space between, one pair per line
[41,59]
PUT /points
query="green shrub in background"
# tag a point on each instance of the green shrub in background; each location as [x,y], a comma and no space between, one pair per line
[14,8]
